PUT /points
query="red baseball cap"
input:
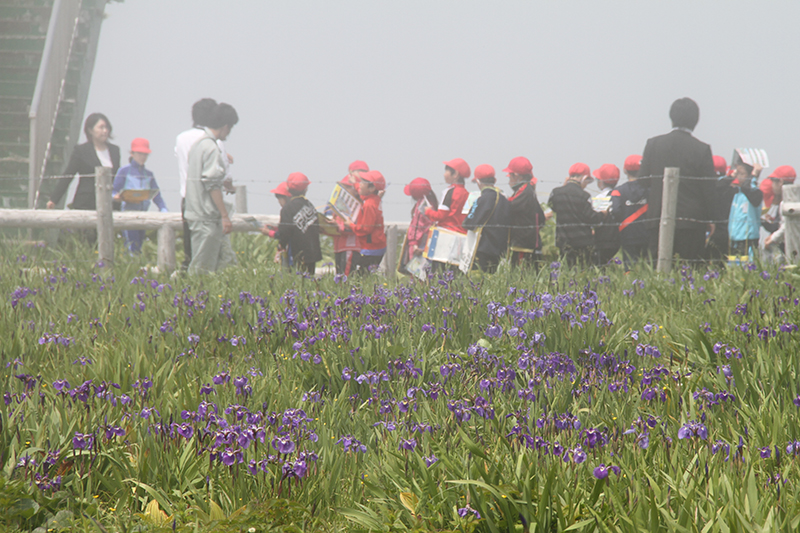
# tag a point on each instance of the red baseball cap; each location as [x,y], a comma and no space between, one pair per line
[720,165]
[375,178]
[785,173]
[534,181]
[418,187]
[281,189]
[580,169]
[607,173]
[140,145]
[483,172]
[297,182]
[358,165]
[460,166]
[632,163]
[519,165]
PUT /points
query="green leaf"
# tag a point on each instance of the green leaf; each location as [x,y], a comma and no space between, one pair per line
[24,508]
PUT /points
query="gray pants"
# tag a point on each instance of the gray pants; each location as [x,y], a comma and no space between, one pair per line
[211,249]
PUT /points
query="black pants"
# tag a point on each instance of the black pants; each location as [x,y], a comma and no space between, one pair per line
[689,243]
[309,268]
[717,247]
[345,262]
[526,259]
[633,253]
[577,256]
[187,238]
[364,262]
[604,255]
[743,247]
[486,262]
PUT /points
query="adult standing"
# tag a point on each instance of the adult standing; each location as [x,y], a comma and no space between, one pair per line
[201,116]
[95,152]
[679,148]
[209,223]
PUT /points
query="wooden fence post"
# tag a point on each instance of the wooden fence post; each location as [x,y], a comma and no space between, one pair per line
[391,252]
[666,228]
[791,213]
[166,249]
[103,181]
[241,199]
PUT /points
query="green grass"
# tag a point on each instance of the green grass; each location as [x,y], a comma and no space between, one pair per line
[493,408]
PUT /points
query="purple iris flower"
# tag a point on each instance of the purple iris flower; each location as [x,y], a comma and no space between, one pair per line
[407,444]
[765,452]
[796,401]
[601,472]
[283,444]
[184,430]
[464,511]
[207,389]
[82,441]
[61,384]
[693,429]
[429,460]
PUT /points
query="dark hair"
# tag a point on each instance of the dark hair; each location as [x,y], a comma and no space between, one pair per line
[684,113]
[223,115]
[202,111]
[91,121]
[454,171]
[489,179]
[431,197]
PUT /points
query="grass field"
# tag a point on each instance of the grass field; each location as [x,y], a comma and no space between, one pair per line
[259,400]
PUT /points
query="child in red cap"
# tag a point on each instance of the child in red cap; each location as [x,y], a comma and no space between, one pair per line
[345,242]
[606,235]
[135,177]
[527,216]
[628,209]
[368,225]
[420,190]
[575,216]
[298,232]
[283,195]
[449,214]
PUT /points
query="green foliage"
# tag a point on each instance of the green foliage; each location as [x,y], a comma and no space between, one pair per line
[476,399]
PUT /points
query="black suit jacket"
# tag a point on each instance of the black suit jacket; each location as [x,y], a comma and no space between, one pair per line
[83,161]
[680,149]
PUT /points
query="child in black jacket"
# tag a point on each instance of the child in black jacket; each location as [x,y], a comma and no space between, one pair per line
[490,214]
[575,216]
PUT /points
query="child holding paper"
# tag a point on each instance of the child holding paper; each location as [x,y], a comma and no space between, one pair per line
[449,214]
[420,190]
[135,177]
[368,225]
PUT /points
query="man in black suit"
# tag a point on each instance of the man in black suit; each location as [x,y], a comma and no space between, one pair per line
[679,148]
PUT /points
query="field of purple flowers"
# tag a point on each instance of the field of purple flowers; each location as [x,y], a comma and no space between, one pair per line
[264,401]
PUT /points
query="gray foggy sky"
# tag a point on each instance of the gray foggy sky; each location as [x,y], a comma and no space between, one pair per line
[407,85]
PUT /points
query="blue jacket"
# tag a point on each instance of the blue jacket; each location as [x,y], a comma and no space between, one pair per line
[135,176]
[744,221]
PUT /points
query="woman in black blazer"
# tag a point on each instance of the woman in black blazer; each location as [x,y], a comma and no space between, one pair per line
[95,152]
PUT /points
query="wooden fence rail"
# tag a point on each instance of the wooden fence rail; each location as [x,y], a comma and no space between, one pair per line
[107,222]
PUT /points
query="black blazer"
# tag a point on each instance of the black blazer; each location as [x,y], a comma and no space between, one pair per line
[680,149]
[83,161]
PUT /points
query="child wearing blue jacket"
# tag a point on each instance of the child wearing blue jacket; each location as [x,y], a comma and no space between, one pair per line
[135,177]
